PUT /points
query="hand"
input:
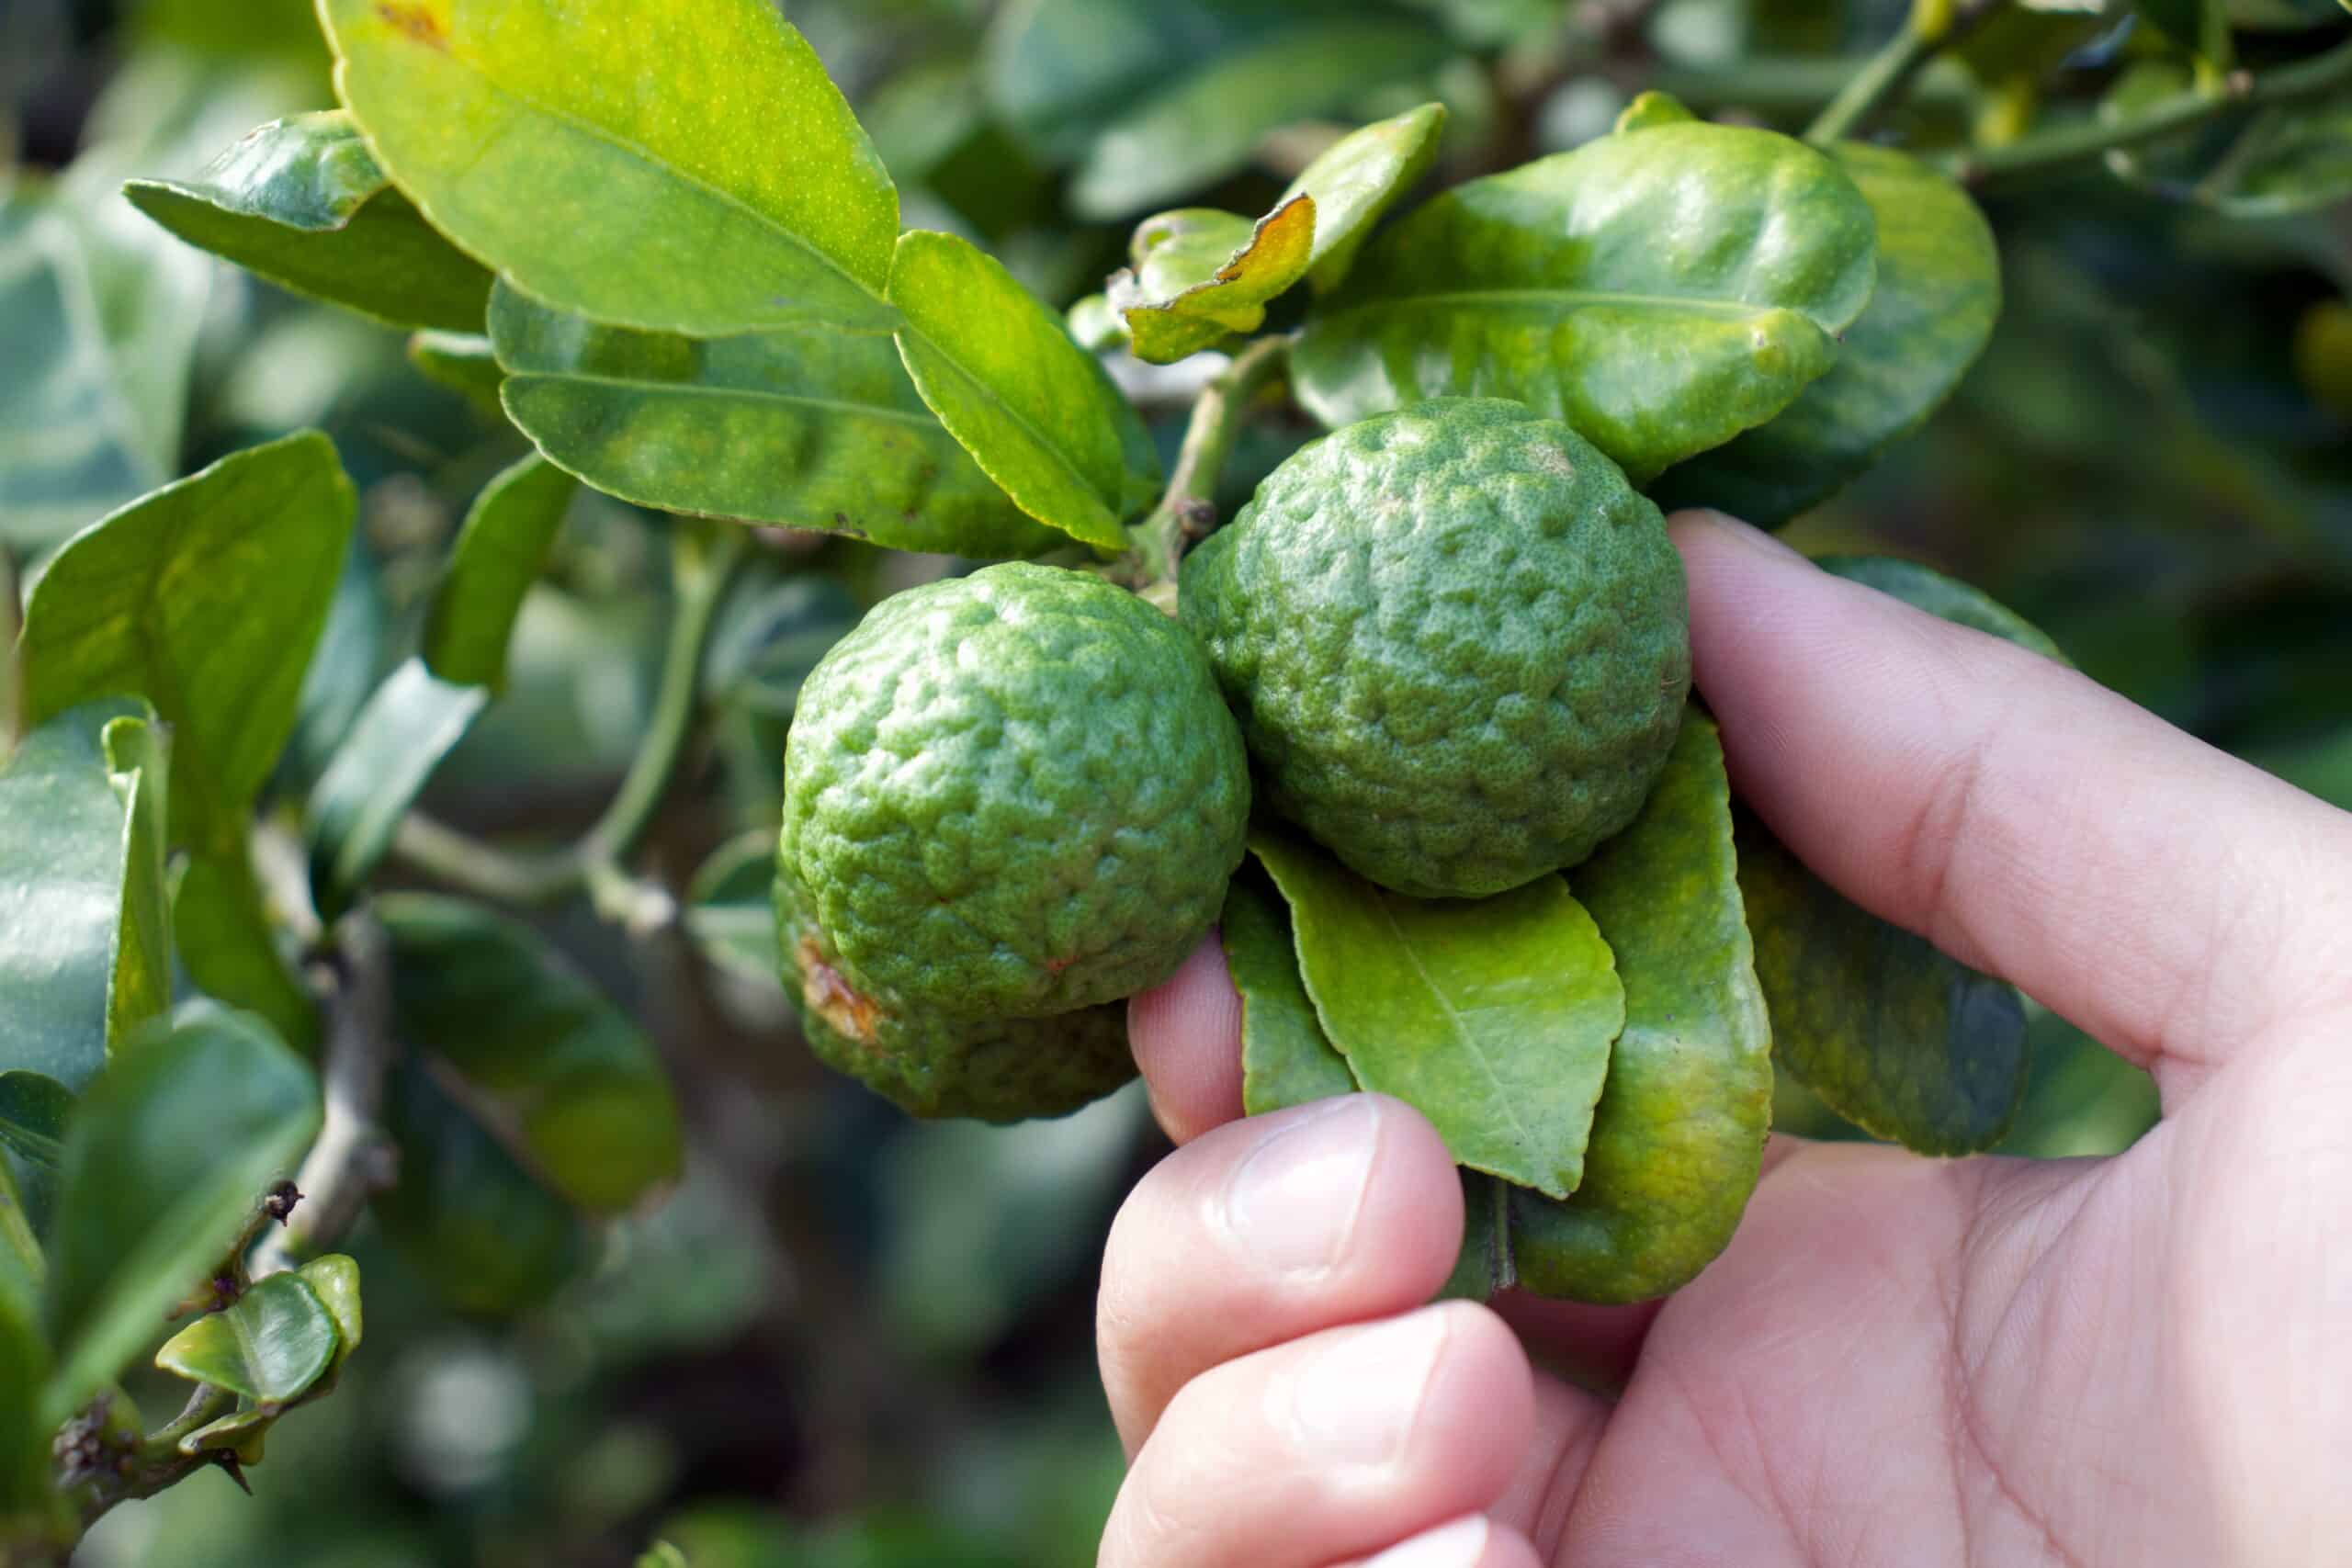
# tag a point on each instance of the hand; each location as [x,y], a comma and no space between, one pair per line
[2138,1360]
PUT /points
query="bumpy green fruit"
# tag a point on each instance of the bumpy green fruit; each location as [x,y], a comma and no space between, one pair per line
[991,1069]
[1457,640]
[1012,795]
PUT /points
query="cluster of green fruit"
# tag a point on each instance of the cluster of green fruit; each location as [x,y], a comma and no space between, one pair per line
[1452,639]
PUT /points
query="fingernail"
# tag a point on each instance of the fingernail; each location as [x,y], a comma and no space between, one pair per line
[1354,1402]
[1292,1202]
[1462,1544]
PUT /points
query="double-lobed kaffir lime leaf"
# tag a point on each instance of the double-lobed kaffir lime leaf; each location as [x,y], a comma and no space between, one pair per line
[1939,294]
[1199,274]
[1492,1017]
[672,166]
[1660,292]
[803,427]
[302,202]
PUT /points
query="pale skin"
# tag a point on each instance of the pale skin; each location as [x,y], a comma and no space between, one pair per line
[2133,1362]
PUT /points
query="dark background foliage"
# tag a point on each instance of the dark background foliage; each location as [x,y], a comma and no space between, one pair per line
[849,1339]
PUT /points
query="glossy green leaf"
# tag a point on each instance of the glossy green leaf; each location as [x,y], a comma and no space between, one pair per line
[29,1509]
[82,951]
[19,1245]
[475,1227]
[302,202]
[582,1090]
[409,724]
[221,926]
[1939,295]
[1484,1268]
[98,316]
[807,428]
[728,911]
[1491,1016]
[1001,372]
[335,1279]
[1650,110]
[1207,122]
[1200,274]
[1098,328]
[164,1159]
[34,1111]
[205,598]
[140,986]
[1357,179]
[1678,1138]
[464,363]
[1661,292]
[674,165]
[1924,588]
[1286,1059]
[501,551]
[1900,1040]
[269,1346]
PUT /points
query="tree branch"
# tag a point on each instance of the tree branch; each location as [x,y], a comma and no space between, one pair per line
[1928,31]
[2082,141]
[706,558]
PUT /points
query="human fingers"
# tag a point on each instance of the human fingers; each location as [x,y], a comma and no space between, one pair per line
[1472,1541]
[1265,1230]
[1329,1447]
[2167,898]
[1186,1036]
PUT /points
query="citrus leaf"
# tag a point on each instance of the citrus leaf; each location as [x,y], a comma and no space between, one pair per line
[1098,328]
[480,1231]
[1286,1060]
[1661,292]
[301,202]
[221,926]
[335,1278]
[1678,1138]
[205,598]
[499,554]
[98,317]
[1924,588]
[19,1247]
[805,428]
[164,1159]
[1200,274]
[464,363]
[673,165]
[268,1346]
[1898,1039]
[411,722]
[139,983]
[1004,375]
[34,1111]
[30,1507]
[1357,179]
[1491,1016]
[583,1091]
[1939,295]
[770,637]
[1649,110]
[1207,122]
[81,896]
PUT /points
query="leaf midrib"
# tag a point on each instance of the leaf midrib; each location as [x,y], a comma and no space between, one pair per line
[1453,1018]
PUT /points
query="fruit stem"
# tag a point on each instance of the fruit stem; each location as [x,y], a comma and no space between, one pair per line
[1928,31]
[2065,144]
[1188,510]
[705,557]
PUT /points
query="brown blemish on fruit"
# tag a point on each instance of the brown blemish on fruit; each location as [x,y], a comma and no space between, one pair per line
[415,20]
[831,998]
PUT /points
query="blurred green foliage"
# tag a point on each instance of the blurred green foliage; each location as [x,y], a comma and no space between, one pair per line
[849,1340]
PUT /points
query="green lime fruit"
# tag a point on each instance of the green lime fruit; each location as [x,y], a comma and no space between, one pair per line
[992,1069]
[1457,641]
[1012,795]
